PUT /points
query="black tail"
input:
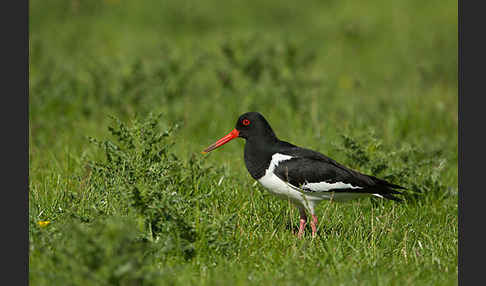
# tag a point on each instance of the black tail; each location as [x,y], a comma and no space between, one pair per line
[386,189]
[392,197]
[374,185]
[386,184]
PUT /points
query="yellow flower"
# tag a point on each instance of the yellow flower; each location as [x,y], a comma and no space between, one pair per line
[43,223]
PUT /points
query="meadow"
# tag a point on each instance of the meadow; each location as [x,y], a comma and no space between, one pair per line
[124,96]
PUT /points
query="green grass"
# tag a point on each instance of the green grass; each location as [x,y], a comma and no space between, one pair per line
[129,197]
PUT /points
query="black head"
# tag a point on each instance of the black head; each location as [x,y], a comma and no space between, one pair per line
[251,126]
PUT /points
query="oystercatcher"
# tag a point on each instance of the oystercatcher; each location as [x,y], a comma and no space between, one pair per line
[303,176]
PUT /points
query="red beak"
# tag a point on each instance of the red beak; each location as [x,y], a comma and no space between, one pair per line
[232,135]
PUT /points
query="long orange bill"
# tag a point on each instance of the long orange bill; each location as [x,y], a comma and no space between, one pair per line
[232,135]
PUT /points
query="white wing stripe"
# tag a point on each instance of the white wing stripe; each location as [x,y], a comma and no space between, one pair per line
[326,187]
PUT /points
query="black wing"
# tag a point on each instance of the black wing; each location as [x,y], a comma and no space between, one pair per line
[308,166]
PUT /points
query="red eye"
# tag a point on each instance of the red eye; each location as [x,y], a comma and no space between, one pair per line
[246,122]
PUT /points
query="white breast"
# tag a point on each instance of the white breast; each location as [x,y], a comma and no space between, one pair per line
[276,185]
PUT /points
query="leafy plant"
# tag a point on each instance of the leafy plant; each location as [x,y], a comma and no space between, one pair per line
[140,170]
[415,169]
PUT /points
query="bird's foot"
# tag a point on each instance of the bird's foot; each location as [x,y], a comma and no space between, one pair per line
[303,222]
[314,225]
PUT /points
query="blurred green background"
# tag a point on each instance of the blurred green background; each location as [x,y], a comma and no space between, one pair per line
[324,66]
[317,70]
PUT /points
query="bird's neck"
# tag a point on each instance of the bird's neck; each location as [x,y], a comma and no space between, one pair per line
[258,154]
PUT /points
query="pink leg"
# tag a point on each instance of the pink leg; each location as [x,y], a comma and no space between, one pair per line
[313,225]
[303,222]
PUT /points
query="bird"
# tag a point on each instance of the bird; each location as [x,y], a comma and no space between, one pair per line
[304,177]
